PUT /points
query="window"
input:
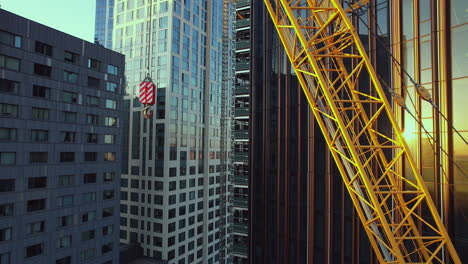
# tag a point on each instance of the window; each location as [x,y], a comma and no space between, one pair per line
[8,86]
[109,176]
[87,254]
[8,134]
[110,121]
[88,216]
[93,82]
[89,178]
[90,156]
[7,185]
[107,230]
[87,235]
[109,139]
[69,97]
[106,212]
[70,77]
[34,250]
[38,157]
[109,156]
[40,114]
[71,57]
[43,70]
[91,138]
[69,117]
[65,260]
[6,210]
[67,136]
[8,110]
[64,241]
[67,156]
[64,221]
[111,104]
[5,234]
[64,200]
[66,180]
[106,248]
[43,48]
[9,63]
[108,194]
[39,135]
[92,100]
[36,205]
[10,39]
[111,69]
[37,182]
[92,119]
[94,64]
[111,87]
[35,228]
[41,91]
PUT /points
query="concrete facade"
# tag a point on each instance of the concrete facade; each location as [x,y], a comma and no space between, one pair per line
[59,146]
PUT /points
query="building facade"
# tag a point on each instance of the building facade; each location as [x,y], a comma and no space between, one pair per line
[241,133]
[429,37]
[59,146]
[104,23]
[176,168]
[299,210]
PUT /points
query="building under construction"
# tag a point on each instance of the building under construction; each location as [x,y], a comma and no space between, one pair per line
[299,209]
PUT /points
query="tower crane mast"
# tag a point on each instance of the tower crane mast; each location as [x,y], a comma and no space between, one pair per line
[395,208]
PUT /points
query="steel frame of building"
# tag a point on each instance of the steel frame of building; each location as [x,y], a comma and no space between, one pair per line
[395,208]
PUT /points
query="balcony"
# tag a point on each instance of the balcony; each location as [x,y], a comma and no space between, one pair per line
[243,23]
[241,180]
[240,228]
[242,3]
[242,66]
[240,249]
[242,44]
[241,111]
[244,89]
[241,134]
[241,202]
[241,157]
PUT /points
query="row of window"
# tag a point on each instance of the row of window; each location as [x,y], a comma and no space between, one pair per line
[9,86]
[9,158]
[43,114]
[8,185]
[33,228]
[39,135]
[46,49]
[62,242]
[40,204]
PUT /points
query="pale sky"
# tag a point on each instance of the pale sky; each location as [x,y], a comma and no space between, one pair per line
[75,17]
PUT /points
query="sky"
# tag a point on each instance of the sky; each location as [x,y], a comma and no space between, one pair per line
[75,17]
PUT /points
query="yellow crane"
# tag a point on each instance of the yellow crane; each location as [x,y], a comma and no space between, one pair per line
[395,208]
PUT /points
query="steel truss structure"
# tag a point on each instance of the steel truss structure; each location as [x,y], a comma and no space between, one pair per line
[395,208]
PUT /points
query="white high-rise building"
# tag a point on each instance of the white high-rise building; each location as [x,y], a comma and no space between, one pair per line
[177,166]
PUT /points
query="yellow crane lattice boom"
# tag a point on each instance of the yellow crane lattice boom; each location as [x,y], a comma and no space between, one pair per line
[396,210]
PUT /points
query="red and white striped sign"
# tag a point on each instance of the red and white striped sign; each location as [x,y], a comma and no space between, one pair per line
[147,94]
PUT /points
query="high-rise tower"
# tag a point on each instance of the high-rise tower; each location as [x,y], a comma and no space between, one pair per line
[176,168]
[60,136]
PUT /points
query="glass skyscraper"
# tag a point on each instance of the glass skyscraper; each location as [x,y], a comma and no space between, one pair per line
[104,22]
[299,210]
[177,166]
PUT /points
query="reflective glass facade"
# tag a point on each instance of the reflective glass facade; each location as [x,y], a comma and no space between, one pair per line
[104,22]
[429,37]
[174,181]
[299,211]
